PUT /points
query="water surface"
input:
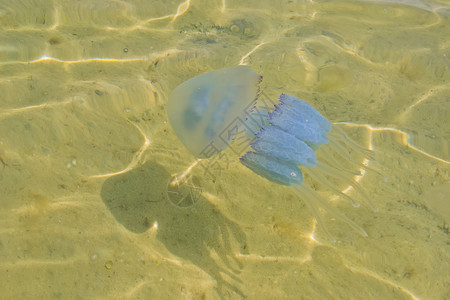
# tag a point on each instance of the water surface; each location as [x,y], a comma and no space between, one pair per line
[86,151]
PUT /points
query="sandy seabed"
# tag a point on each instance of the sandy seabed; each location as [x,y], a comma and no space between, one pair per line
[87,151]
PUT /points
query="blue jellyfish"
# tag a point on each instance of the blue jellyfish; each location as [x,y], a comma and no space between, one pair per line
[201,109]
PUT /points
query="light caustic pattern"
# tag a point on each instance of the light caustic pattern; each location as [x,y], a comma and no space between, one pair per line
[84,87]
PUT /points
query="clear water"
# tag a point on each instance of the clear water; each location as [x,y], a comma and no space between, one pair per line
[87,154]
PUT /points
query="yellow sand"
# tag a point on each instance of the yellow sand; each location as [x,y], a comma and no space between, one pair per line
[86,151]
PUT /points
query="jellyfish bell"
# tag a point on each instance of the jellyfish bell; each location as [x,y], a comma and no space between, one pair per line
[202,108]
[204,112]
[289,138]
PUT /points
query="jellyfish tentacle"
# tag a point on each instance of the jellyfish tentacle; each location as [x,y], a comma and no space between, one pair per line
[323,180]
[341,150]
[340,134]
[335,173]
[345,154]
[336,213]
[313,207]
[329,157]
[288,138]
[368,169]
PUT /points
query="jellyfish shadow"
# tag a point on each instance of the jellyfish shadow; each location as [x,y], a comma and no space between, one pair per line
[137,199]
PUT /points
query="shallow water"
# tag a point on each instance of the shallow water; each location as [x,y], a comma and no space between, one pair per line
[86,151]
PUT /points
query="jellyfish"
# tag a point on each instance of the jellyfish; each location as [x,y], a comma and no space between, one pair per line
[288,138]
[203,111]
[202,108]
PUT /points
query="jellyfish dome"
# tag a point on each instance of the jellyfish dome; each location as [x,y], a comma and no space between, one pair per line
[201,108]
